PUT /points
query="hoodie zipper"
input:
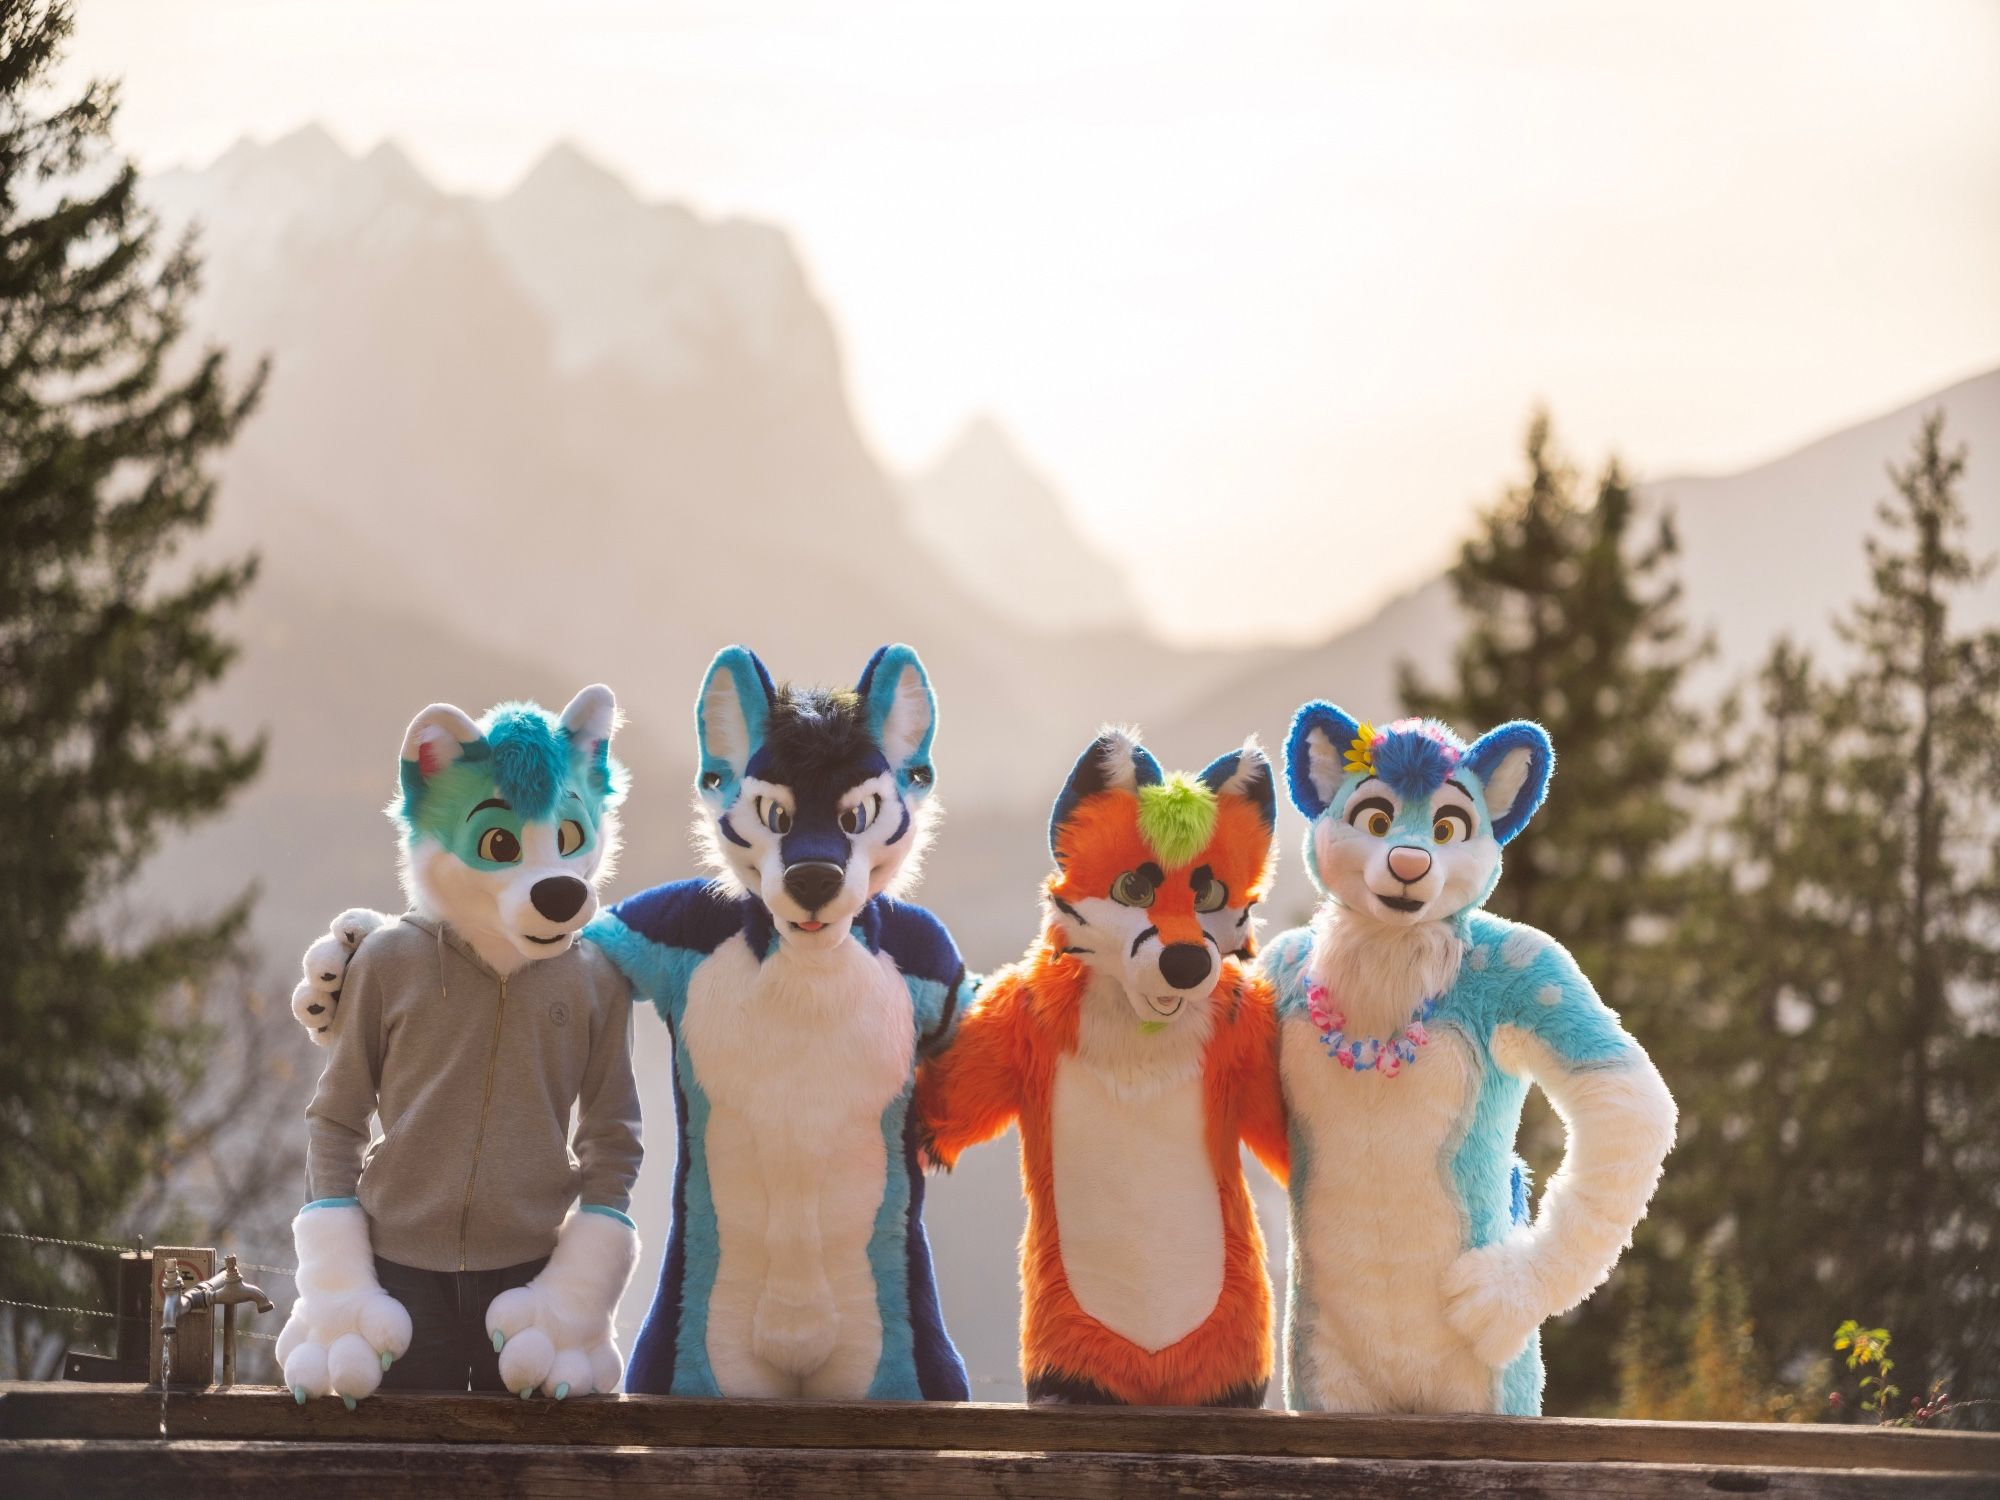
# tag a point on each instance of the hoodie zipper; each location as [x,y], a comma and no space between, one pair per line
[479,1136]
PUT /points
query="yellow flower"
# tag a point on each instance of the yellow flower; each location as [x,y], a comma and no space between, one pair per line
[1361,750]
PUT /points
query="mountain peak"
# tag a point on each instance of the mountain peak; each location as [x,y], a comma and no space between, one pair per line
[391,165]
[310,148]
[566,172]
[982,440]
[982,459]
[1003,530]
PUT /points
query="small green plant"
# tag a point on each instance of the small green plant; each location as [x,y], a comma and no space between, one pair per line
[1867,1351]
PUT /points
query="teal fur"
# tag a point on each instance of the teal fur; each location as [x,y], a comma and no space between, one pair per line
[1522,1381]
[1300,1314]
[717,777]
[525,757]
[662,974]
[883,673]
[693,1376]
[928,998]
[895,1368]
[656,972]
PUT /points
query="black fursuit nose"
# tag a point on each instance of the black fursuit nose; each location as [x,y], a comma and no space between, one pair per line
[814,882]
[1184,965]
[559,898]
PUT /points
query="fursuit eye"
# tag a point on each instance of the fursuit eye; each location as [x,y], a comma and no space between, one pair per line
[1132,889]
[1210,894]
[499,846]
[1373,815]
[569,837]
[1451,824]
[775,816]
[859,817]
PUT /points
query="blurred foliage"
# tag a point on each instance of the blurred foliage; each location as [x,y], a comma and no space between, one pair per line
[1837,1060]
[107,425]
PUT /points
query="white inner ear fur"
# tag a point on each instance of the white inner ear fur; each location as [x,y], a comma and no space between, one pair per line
[725,728]
[1116,746]
[445,730]
[592,716]
[909,719]
[1323,763]
[1503,788]
[1252,764]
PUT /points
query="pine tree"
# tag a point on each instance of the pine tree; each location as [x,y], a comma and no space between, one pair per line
[1573,620]
[107,424]
[1923,763]
[1841,1095]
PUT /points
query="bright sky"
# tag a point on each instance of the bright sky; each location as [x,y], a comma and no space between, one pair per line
[1281,281]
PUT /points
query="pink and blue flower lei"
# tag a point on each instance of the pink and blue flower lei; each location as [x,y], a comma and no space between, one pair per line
[1371,1054]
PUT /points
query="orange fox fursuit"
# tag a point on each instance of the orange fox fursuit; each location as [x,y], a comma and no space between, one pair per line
[1136,1049]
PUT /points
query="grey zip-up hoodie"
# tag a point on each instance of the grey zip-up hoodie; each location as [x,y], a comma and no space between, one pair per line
[475,1079]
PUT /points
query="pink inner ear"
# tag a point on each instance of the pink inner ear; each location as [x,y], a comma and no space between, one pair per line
[428,759]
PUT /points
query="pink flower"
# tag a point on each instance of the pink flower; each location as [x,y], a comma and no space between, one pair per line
[1346,1059]
[1416,1033]
[1391,1064]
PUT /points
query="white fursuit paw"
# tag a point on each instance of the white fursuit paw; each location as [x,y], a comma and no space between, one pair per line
[316,1000]
[344,1330]
[1494,1299]
[555,1333]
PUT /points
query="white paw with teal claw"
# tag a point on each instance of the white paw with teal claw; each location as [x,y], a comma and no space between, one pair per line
[555,1333]
[345,1331]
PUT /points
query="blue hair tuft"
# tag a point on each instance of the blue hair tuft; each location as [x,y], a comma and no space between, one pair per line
[1416,757]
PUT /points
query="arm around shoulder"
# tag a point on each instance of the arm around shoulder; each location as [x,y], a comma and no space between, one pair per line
[971,1091]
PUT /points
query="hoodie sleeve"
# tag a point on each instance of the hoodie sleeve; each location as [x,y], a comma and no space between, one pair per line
[337,1130]
[607,1128]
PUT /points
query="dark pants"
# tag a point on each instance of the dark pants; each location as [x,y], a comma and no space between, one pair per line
[450,1349]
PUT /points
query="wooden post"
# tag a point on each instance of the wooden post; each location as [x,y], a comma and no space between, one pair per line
[135,1302]
[194,1340]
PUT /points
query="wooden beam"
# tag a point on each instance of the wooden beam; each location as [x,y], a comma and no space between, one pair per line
[113,1412]
[389,1471]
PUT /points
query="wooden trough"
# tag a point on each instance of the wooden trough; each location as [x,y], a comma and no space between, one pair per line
[74,1440]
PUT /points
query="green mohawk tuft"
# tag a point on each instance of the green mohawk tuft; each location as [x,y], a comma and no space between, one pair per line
[1177,817]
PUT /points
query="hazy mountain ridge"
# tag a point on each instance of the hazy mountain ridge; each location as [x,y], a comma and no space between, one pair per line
[455,396]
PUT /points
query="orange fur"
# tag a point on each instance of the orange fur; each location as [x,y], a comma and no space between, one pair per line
[1000,1069]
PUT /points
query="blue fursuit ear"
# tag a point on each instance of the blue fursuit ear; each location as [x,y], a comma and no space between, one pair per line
[1245,773]
[1513,764]
[895,692]
[730,720]
[1114,760]
[1316,755]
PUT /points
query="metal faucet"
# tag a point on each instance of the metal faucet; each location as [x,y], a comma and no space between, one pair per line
[225,1290]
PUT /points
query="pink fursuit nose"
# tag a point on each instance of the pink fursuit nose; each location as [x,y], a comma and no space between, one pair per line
[1409,864]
